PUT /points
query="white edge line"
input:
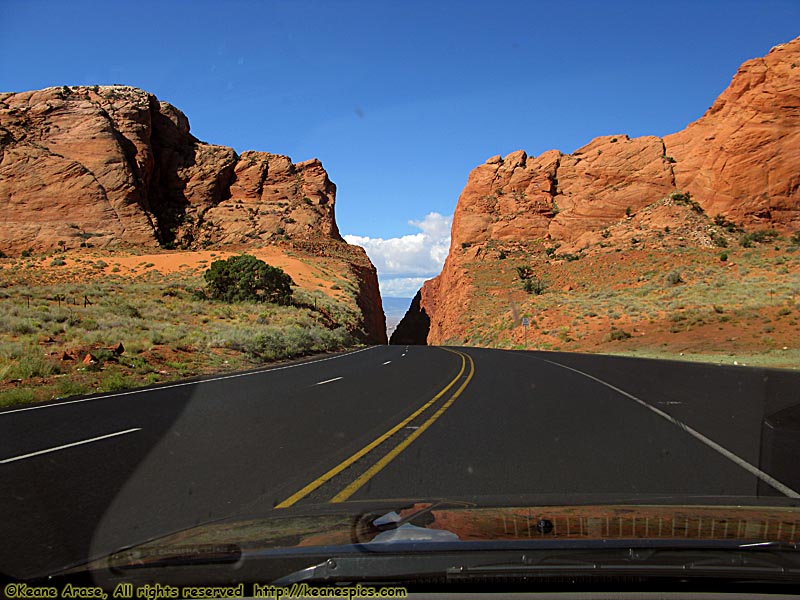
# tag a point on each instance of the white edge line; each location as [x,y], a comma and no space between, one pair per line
[328,381]
[185,383]
[90,440]
[765,477]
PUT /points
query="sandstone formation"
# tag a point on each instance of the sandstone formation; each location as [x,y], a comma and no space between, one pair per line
[114,167]
[415,325]
[740,160]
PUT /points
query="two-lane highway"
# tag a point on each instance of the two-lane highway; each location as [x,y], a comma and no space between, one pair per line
[531,424]
[86,477]
[196,452]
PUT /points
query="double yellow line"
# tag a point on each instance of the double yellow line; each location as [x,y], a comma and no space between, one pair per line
[391,455]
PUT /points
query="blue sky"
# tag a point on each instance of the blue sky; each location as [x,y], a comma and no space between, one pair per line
[400,100]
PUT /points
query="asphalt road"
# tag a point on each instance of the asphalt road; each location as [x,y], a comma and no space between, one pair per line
[83,478]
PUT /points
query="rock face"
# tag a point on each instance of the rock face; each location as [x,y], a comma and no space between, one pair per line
[114,166]
[740,160]
[414,328]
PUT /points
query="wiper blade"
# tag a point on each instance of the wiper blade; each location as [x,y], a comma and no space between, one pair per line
[158,556]
[757,560]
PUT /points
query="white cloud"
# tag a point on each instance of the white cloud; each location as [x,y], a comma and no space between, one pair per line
[400,287]
[418,254]
[403,263]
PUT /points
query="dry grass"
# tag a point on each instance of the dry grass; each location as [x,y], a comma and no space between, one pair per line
[661,298]
[157,312]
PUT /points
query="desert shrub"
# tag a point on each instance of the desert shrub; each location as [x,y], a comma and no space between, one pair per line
[124,309]
[89,324]
[23,327]
[723,256]
[674,278]
[616,335]
[14,396]
[719,241]
[685,199]
[246,278]
[524,272]
[67,388]
[722,221]
[764,235]
[32,365]
[114,381]
[534,285]
[274,343]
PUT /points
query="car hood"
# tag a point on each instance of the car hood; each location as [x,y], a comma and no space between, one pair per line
[423,523]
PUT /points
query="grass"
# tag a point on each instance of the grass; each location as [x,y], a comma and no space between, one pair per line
[166,330]
[668,300]
[773,359]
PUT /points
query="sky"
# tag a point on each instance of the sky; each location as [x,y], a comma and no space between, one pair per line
[400,100]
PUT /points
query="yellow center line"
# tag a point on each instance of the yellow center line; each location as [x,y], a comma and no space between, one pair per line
[371,446]
[376,468]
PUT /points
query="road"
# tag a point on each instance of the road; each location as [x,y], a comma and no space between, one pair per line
[84,477]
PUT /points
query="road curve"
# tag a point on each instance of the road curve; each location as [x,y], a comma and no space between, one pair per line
[84,477]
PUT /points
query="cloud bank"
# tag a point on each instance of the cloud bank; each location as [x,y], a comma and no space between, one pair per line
[403,263]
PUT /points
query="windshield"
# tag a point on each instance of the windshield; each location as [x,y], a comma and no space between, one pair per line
[443,286]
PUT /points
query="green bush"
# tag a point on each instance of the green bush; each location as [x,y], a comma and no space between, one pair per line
[246,278]
[764,235]
[13,396]
[31,365]
[524,272]
[722,221]
[685,199]
[534,285]
[719,241]
[116,382]
[286,342]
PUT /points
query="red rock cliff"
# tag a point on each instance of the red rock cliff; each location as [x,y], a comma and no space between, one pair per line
[115,165]
[112,166]
[740,160]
